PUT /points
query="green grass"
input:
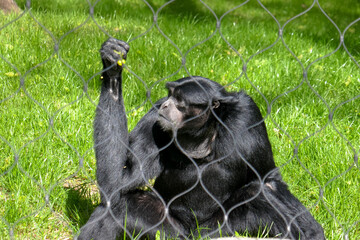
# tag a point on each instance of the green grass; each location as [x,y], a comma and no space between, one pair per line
[46,123]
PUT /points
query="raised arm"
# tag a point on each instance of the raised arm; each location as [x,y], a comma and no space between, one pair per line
[123,162]
[121,158]
[110,125]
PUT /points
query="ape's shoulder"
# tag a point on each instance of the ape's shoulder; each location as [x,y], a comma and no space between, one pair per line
[240,110]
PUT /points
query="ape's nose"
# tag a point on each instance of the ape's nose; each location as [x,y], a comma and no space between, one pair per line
[164,105]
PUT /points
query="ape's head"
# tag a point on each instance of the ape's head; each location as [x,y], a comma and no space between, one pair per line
[188,105]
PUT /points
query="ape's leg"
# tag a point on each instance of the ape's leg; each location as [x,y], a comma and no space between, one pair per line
[138,212]
[146,214]
[101,225]
[259,214]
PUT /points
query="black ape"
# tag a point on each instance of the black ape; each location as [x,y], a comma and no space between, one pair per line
[209,152]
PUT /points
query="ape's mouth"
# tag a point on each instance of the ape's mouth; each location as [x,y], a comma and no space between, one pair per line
[166,124]
[162,117]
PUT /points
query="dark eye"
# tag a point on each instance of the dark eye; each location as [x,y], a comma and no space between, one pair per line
[199,105]
[177,97]
[179,101]
[180,105]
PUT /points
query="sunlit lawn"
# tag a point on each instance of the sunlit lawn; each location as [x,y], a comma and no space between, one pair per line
[48,98]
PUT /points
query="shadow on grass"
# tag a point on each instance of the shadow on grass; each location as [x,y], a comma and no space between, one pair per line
[79,205]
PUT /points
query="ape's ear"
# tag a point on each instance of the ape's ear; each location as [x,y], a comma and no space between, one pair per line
[171,86]
[227,99]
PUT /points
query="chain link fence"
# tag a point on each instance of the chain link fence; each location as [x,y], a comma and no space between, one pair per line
[47,174]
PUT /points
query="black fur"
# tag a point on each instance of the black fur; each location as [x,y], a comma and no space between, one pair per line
[237,168]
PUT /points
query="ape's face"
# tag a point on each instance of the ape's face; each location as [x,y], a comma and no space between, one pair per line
[172,113]
[186,108]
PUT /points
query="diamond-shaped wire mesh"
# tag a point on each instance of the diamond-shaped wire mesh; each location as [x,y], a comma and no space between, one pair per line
[49,91]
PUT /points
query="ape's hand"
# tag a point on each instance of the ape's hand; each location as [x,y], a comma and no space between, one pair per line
[113,54]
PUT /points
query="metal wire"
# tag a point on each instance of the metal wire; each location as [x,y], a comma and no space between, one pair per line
[244,74]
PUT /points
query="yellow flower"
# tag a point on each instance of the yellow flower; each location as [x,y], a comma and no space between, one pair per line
[11,74]
[121,62]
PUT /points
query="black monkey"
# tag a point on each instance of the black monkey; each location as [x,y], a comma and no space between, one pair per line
[210,154]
